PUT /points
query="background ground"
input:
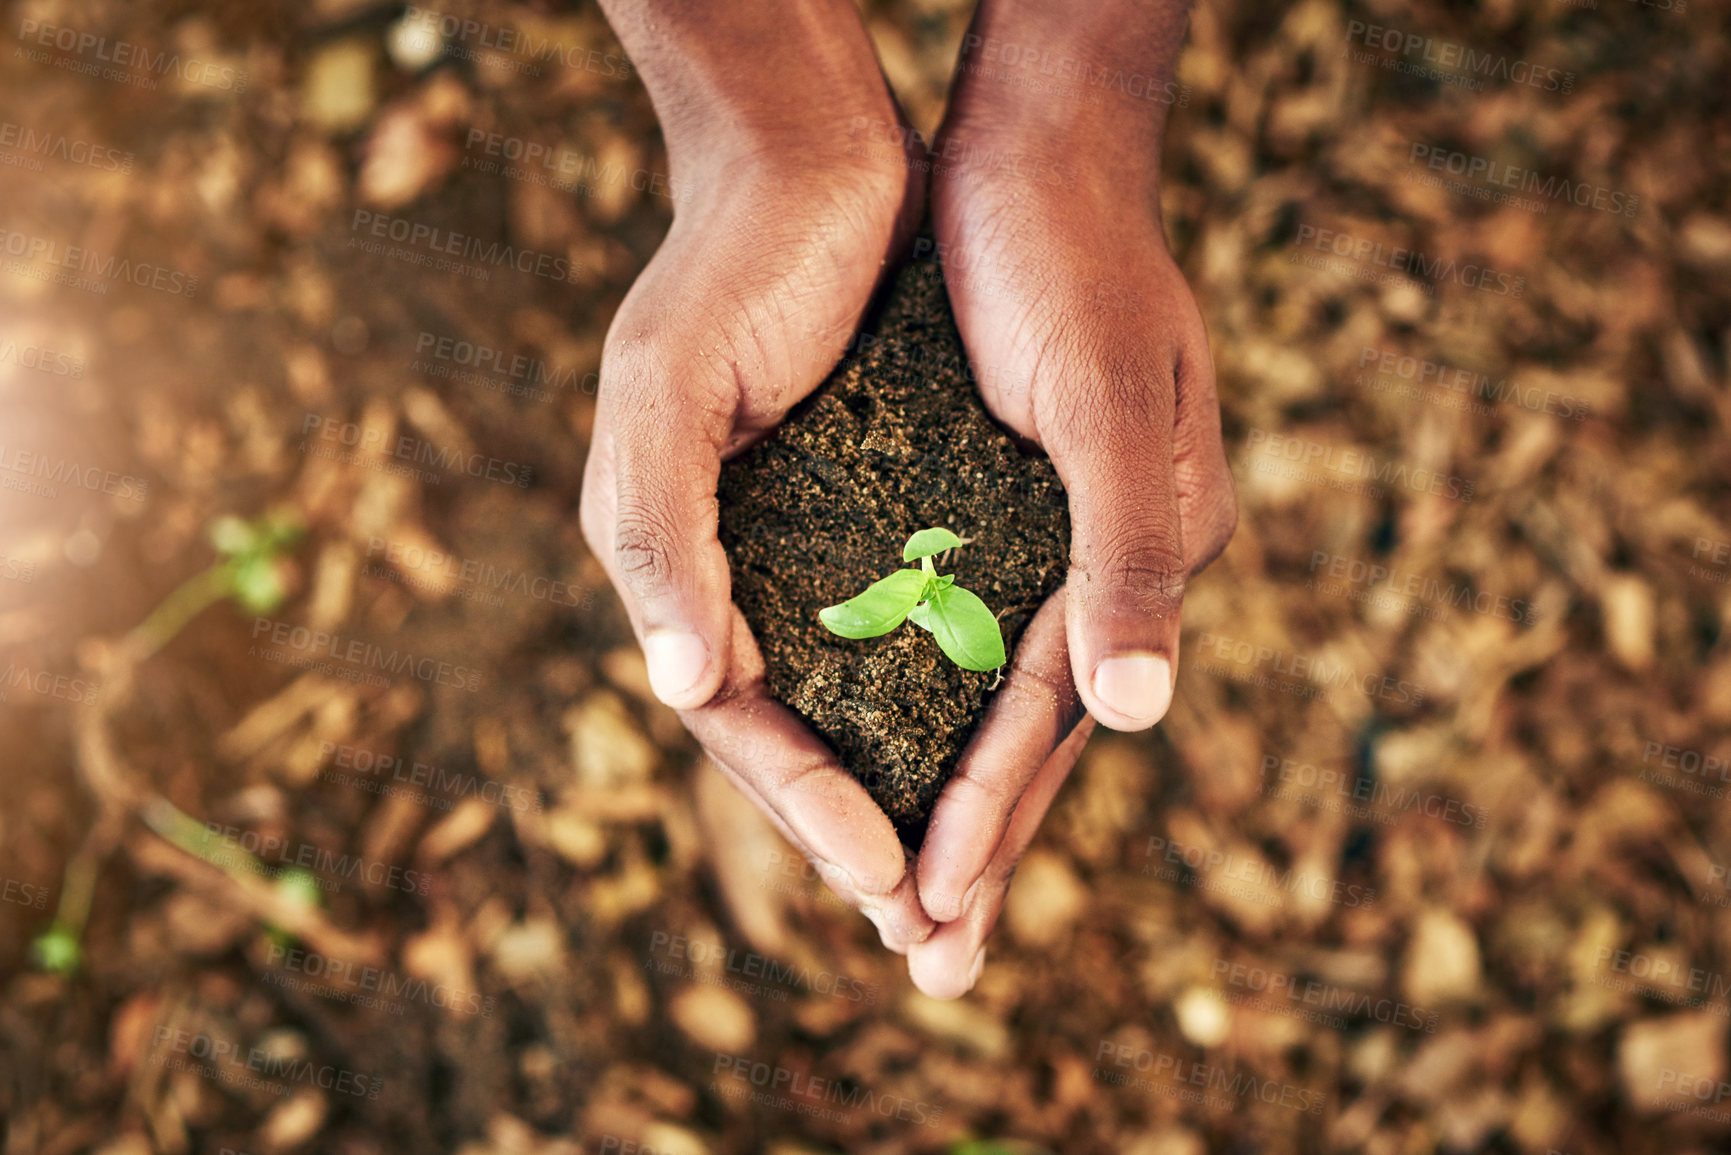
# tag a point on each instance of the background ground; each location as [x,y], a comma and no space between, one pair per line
[1409,868]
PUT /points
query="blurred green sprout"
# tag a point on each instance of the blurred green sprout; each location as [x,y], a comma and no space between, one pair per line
[252,567]
[253,554]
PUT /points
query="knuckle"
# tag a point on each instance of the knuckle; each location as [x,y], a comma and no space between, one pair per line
[1149,580]
[643,550]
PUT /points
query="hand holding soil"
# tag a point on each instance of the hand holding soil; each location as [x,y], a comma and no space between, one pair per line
[1085,344]
[1088,344]
[750,300]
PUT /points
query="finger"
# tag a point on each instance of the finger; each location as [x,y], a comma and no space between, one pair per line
[782,766]
[1108,429]
[1030,716]
[949,962]
[668,423]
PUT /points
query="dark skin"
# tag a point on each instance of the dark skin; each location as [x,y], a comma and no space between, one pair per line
[1087,341]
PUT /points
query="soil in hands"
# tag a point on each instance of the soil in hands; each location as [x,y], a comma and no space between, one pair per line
[896,440]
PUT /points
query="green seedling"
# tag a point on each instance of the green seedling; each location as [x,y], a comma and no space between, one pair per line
[958,620]
[253,568]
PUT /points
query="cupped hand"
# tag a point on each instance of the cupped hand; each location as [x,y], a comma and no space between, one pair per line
[783,227]
[1089,346]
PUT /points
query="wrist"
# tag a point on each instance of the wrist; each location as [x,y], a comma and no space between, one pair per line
[761,85]
[1090,85]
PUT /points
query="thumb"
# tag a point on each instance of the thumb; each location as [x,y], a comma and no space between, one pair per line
[1111,442]
[667,432]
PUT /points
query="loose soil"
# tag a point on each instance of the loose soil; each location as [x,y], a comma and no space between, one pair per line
[895,440]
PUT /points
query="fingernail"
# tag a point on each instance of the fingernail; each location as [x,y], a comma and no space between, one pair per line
[837,879]
[952,904]
[677,662]
[1136,685]
[978,966]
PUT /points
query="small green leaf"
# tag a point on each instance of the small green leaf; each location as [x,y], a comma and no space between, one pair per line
[300,886]
[56,950]
[965,629]
[929,541]
[230,535]
[921,616]
[880,609]
[258,583]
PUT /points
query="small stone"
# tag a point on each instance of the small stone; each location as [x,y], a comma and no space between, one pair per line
[1442,960]
[1655,1057]
[1044,901]
[607,748]
[715,1018]
[532,948]
[337,94]
[292,1123]
[1203,1016]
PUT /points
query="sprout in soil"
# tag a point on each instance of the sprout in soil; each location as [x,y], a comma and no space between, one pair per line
[959,621]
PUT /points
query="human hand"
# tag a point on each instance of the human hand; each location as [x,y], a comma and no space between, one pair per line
[1089,345]
[780,234]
